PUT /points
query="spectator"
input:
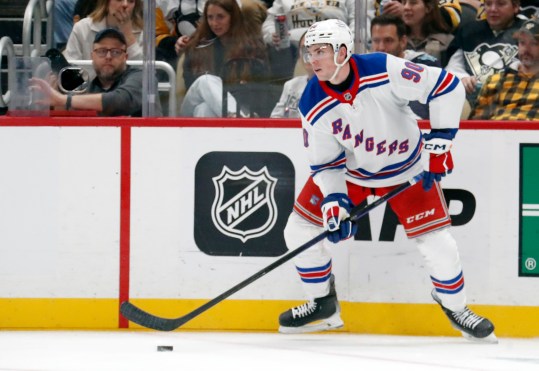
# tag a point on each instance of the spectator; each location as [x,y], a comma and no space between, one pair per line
[287,106]
[181,16]
[63,21]
[425,27]
[299,15]
[174,18]
[302,14]
[125,15]
[176,23]
[221,48]
[529,9]
[115,91]
[485,47]
[253,12]
[512,93]
[449,9]
[388,35]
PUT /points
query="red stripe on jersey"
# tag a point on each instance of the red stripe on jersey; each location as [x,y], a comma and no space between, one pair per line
[447,82]
[319,107]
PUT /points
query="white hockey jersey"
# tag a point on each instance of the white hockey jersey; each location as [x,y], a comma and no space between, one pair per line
[368,134]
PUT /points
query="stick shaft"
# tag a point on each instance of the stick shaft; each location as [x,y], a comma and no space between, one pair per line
[134,314]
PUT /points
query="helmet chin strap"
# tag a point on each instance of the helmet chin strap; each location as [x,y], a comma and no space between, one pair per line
[339,66]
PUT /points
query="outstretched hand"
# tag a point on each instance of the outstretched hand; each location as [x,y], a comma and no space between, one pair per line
[45,93]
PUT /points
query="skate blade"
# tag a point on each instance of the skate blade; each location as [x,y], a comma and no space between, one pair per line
[490,339]
[331,323]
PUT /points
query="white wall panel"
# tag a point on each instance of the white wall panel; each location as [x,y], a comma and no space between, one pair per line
[59,218]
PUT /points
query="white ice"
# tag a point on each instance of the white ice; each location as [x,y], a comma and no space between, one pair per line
[137,350]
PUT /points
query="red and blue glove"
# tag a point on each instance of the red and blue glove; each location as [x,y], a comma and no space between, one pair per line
[335,212]
[438,144]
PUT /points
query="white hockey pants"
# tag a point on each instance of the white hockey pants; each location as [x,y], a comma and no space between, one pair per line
[438,248]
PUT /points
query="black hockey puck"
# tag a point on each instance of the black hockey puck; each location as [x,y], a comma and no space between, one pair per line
[165,348]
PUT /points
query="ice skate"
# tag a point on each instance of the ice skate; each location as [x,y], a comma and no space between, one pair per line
[472,326]
[320,314]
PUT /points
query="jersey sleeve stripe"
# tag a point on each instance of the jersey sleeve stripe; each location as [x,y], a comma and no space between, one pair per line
[445,84]
[373,81]
[338,163]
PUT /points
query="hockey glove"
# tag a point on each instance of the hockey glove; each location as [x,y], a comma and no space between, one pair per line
[437,145]
[335,212]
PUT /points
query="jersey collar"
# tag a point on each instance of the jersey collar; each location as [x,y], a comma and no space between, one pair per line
[349,94]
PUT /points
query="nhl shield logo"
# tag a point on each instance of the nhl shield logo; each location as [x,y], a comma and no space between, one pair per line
[244,206]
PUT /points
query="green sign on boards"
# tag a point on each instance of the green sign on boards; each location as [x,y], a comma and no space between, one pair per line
[528,257]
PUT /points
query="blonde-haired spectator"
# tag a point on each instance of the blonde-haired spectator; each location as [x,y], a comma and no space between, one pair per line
[124,15]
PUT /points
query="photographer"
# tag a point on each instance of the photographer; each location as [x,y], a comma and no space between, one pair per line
[116,89]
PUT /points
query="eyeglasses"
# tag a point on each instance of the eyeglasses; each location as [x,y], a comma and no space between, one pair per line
[114,52]
[316,55]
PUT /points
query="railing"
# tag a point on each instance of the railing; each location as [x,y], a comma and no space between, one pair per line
[36,11]
[169,86]
[6,47]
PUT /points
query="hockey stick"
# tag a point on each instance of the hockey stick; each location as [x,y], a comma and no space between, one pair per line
[138,316]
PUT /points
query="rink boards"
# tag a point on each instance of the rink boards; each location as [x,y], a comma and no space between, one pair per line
[171,213]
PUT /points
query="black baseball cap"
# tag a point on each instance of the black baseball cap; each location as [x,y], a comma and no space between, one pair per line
[530,27]
[111,33]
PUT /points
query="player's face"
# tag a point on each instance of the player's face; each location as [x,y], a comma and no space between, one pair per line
[500,13]
[320,56]
[218,20]
[528,52]
[109,66]
[384,38]
[414,12]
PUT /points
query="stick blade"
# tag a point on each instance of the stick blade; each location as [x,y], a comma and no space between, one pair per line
[145,319]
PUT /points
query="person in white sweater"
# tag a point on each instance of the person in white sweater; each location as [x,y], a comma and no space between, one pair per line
[124,15]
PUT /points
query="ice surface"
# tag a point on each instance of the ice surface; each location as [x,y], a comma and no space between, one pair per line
[137,350]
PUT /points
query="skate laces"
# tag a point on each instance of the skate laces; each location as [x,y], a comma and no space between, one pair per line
[467,318]
[304,309]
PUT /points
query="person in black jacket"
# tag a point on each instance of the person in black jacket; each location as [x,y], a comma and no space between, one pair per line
[485,47]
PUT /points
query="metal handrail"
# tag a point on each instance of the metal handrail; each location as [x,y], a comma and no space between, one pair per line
[35,10]
[169,86]
[6,44]
[48,8]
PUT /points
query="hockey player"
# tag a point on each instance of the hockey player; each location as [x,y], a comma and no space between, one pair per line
[362,140]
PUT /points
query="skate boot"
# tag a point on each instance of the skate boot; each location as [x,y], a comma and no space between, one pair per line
[319,314]
[472,326]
